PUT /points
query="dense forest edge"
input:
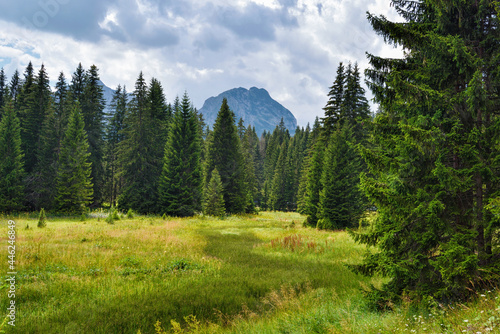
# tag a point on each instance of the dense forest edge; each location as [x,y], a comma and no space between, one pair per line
[417,182]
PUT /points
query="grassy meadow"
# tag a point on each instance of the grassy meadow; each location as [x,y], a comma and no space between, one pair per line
[245,274]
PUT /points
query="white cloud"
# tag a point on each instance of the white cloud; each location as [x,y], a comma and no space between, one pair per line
[188,46]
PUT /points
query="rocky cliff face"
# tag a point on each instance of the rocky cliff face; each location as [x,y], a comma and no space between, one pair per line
[254,105]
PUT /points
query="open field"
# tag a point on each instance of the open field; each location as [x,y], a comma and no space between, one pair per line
[249,274]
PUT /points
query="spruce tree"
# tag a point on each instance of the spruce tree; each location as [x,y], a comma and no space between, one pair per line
[11,164]
[42,219]
[43,183]
[355,103]
[433,157]
[92,104]
[335,105]
[15,87]
[74,186]
[30,118]
[224,153]
[77,86]
[181,179]
[249,148]
[213,202]
[161,116]
[3,91]
[302,175]
[280,192]
[340,201]
[139,167]
[273,145]
[114,136]
[313,183]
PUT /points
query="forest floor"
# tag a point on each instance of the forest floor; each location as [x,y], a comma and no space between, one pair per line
[262,273]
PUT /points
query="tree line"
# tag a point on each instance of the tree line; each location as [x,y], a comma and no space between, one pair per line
[64,153]
[428,162]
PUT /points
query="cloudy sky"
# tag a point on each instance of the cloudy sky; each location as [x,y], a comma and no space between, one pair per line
[289,47]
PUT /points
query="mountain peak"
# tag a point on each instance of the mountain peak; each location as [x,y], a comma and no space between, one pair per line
[255,106]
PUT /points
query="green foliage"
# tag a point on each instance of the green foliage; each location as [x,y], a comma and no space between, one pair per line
[3,91]
[313,183]
[347,103]
[139,168]
[335,105]
[114,136]
[112,216]
[30,115]
[340,202]
[11,163]
[433,158]
[280,194]
[272,154]
[224,152]
[213,203]
[130,214]
[42,219]
[181,178]
[44,186]
[92,105]
[249,146]
[74,186]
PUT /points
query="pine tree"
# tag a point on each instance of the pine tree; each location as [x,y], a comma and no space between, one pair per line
[181,179]
[30,119]
[213,203]
[313,183]
[139,167]
[11,164]
[92,103]
[42,219]
[273,145]
[114,136]
[43,183]
[250,148]
[77,86]
[433,158]
[280,192]
[355,103]
[3,91]
[224,153]
[241,129]
[161,115]
[74,185]
[296,160]
[340,201]
[302,175]
[15,87]
[335,105]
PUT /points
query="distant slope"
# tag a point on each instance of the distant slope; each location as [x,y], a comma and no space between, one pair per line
[108,97]
[254,105]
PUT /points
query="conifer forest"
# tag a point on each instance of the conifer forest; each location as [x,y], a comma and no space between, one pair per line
[415,182]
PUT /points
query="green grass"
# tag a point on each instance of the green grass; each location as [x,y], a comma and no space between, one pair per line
[250,274]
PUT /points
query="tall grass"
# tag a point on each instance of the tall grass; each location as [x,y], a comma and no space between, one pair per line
[246,274]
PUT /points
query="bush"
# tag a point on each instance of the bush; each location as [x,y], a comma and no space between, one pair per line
[42,219]
[113,215]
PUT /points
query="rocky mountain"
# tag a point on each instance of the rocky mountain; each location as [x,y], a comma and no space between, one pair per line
[108,97]
[254,105]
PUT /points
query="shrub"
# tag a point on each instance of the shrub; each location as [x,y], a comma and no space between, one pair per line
[42,219]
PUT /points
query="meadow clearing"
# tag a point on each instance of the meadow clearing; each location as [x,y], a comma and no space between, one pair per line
[262,273]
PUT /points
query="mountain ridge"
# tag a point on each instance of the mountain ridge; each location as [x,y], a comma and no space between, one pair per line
[255,106]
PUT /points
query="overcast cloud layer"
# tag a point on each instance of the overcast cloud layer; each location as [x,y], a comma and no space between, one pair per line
[289,47]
